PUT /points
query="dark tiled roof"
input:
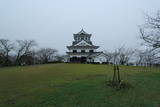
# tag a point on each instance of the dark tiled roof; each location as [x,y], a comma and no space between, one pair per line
[86,53]
[95,54]
[82,47]
[89,42]
[78,53]
[82,32]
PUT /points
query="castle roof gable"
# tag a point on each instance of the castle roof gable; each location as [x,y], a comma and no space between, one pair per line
[82,32]
[83,43]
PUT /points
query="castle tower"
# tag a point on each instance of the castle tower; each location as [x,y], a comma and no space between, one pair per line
[81,48]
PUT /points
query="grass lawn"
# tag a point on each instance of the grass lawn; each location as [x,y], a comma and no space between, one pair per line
[77,85]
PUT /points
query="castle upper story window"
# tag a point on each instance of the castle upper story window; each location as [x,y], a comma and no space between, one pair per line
[82,38]
[91,51]
[82,51]
[87,38]
[74,51]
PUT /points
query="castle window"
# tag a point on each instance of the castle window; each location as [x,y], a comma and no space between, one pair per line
[74,51]
[83,51]
[82,38]
[91,51]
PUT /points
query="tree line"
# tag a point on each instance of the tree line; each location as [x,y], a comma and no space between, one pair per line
[136,57]
[25,52]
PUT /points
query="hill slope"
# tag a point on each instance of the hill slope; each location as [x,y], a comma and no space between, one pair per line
[77,85]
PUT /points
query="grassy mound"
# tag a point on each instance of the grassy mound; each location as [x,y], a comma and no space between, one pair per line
[77,85]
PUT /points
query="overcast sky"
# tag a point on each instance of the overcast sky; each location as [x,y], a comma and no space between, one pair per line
[51,23]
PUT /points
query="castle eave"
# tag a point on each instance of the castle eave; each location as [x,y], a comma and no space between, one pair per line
[80,53]
[82,47]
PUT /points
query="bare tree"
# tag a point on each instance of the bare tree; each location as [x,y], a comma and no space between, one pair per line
[122,55]
[46,54]
[59,58]
[150,34]
[150,31]
[109,56]
[23,48]
[116,74]
[23,52]
[150,57]
[146,57]
[5,48]
[115,57]
[139,54]
[128,55]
